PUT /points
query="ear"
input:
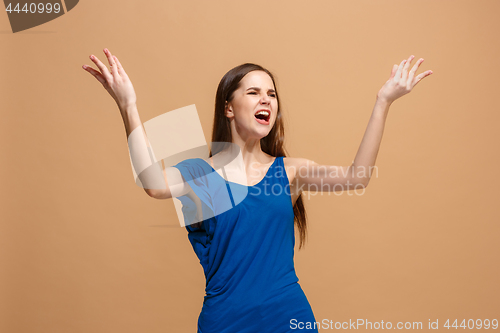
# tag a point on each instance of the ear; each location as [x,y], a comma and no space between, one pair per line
[228,110]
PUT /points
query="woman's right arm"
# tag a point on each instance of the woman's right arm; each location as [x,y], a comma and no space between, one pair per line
[152,176]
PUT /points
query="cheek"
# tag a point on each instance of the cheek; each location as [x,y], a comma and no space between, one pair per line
[243,117]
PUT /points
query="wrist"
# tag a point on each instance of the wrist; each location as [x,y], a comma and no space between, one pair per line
[382,101]
[381,107]
[128,108]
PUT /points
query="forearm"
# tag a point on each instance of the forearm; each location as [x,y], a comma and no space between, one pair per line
[131,119]
[364,163]
[146,168]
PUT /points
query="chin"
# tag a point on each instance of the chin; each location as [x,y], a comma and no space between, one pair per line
[263,135]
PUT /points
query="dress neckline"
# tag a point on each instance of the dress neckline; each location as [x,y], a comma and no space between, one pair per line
[265,176]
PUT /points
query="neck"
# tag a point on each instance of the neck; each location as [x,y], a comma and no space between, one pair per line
[250,148]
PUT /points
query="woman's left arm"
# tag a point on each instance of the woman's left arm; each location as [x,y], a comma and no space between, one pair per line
[359,172]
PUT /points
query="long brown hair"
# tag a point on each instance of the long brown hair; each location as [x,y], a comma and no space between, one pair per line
[272,144]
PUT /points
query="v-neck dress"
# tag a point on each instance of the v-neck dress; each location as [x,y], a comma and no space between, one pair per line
[245,245]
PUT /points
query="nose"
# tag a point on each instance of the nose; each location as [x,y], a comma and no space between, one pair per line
[265,99]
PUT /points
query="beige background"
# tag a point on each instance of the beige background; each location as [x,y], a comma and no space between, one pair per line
[83,249]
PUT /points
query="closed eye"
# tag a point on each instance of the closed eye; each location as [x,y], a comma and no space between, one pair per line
[253,92]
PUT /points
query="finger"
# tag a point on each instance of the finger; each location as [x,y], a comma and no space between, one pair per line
[421,76]
[397,76]
[404,75]
[121,71]
[393,72]
[95,73]
[104,70]
[413,70]
[112,63]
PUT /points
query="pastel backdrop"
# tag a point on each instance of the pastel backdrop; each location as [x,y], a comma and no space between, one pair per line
[84,249]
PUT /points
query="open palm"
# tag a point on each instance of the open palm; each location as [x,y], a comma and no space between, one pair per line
[401,82]
[116,81]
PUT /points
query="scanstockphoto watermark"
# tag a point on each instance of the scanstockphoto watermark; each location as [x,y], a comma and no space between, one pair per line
[407,325]
[315,179]
[205,180]
[321,188]
[353,324]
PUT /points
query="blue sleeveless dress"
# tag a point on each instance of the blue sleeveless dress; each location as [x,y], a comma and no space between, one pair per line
[246,249]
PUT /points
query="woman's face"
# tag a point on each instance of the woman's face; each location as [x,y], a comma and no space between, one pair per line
[256,93]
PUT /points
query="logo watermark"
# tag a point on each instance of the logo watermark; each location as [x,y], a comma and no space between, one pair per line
[207,180]
[408,325]
[24,15]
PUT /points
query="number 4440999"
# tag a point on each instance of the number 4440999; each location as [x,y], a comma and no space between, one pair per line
[32,8]
[473,324]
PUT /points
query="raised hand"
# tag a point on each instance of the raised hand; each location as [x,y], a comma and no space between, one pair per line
[116,81]
[401,82]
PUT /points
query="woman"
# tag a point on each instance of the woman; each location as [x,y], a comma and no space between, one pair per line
[247,251]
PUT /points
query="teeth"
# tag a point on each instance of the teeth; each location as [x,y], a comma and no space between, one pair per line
[263,112]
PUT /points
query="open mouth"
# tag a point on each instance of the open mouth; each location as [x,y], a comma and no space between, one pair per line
[263,117]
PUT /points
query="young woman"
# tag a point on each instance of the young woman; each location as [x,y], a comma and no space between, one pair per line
[247,251]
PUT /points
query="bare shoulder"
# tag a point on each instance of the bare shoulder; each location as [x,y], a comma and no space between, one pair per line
[297,162]
[294,164]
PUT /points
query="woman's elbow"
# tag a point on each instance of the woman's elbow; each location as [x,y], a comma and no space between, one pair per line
[158,194]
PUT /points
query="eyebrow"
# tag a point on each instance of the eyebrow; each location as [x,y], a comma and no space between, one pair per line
[258,89]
